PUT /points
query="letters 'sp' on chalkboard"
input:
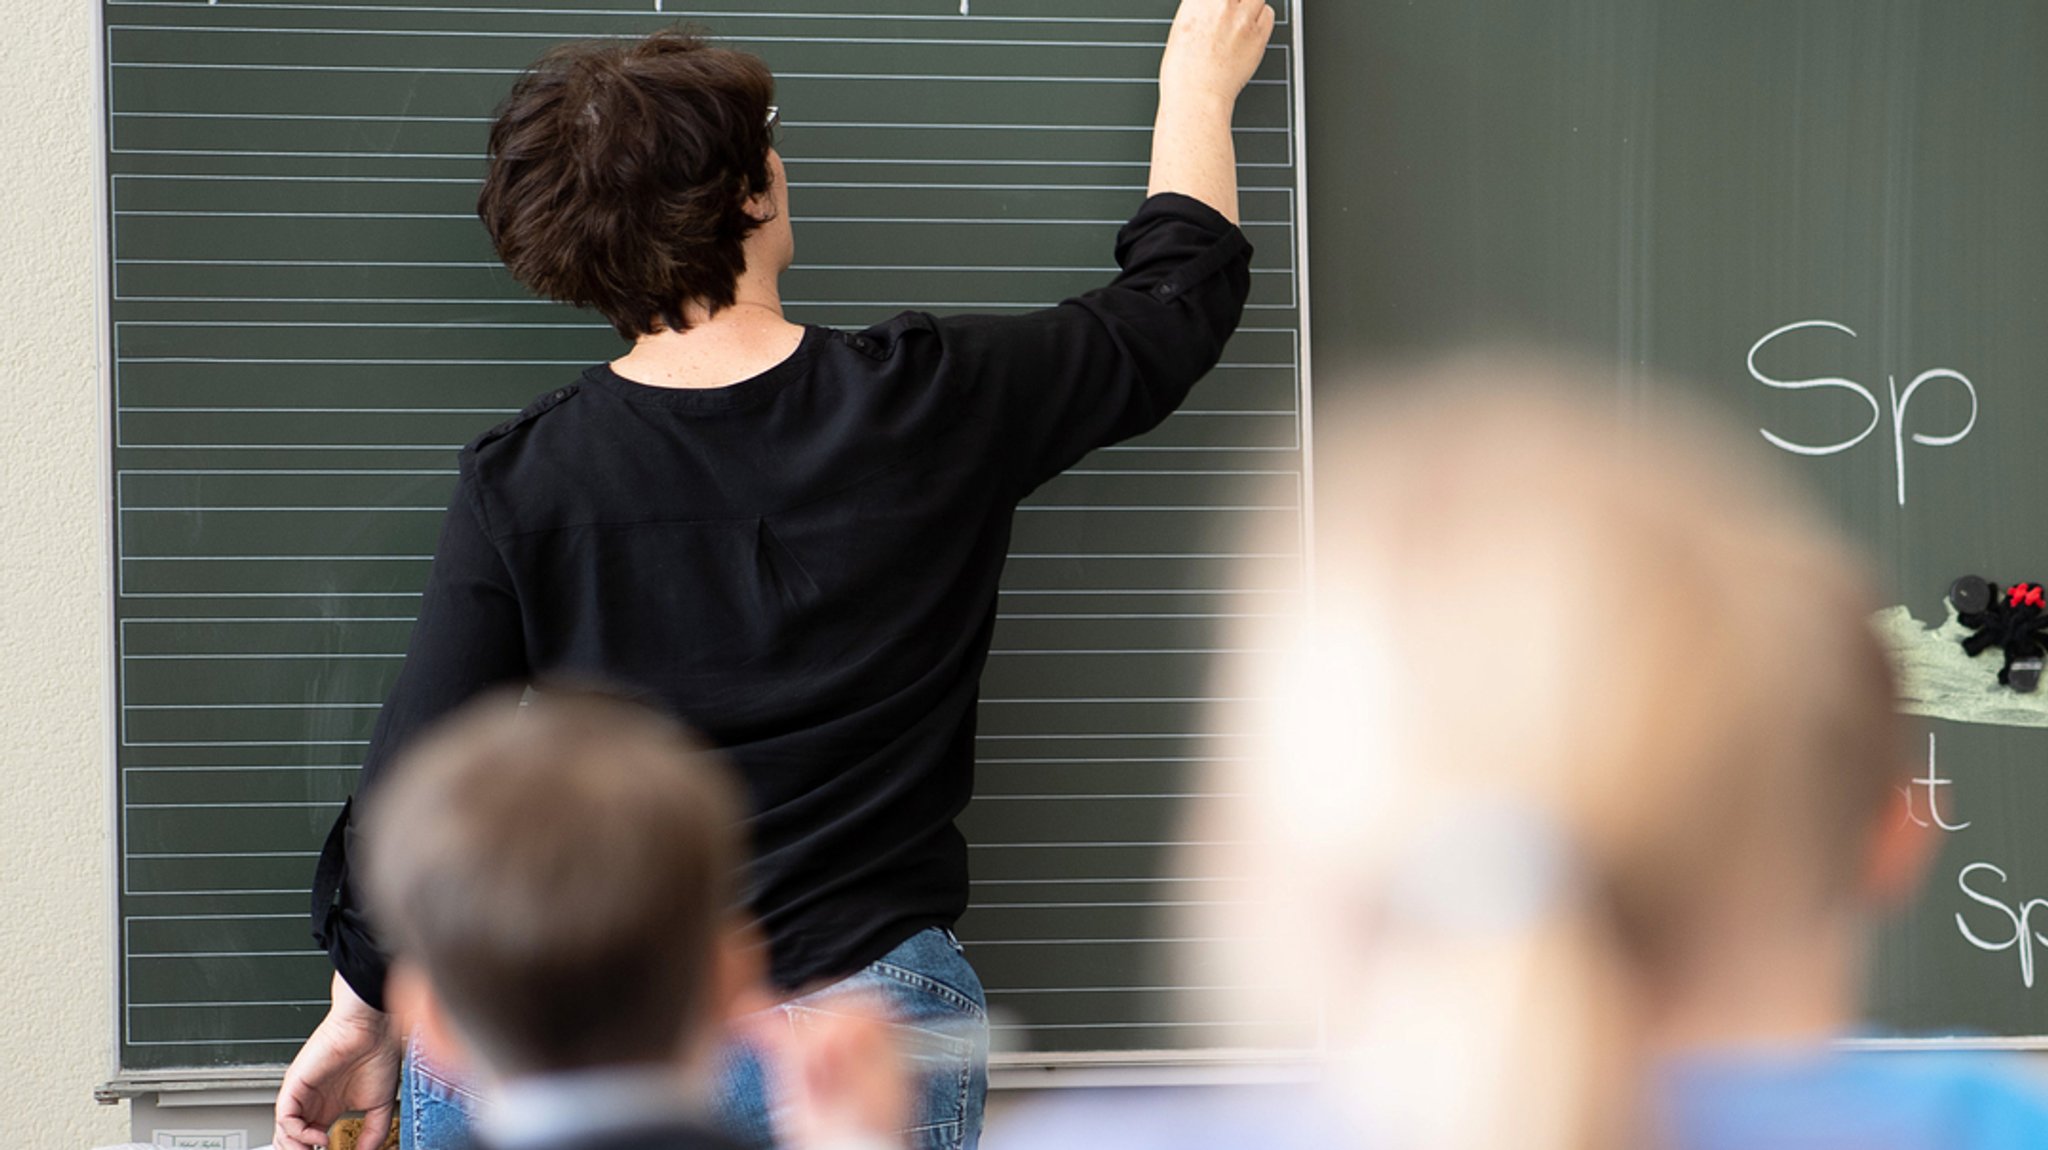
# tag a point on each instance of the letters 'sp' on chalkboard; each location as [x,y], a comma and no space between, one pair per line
[307,322]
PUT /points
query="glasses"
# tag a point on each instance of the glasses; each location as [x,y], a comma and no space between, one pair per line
[774,123]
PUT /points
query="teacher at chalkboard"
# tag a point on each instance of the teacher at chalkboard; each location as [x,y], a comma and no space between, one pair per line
[787,535]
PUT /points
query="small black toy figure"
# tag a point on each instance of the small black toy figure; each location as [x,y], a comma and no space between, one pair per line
[2014,619]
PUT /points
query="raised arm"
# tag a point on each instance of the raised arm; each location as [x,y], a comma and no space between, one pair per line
[1112,363]
[1214,48]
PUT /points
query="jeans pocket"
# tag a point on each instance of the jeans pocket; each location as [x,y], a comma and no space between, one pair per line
[942,1063]
[436,1109]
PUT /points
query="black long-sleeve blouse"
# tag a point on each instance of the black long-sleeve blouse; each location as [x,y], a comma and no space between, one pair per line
[803,566]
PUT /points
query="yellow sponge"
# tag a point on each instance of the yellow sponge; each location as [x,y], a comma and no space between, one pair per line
[347,1134]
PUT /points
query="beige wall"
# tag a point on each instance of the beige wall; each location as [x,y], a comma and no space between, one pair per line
[56,960]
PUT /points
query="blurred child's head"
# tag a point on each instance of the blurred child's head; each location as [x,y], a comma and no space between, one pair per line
[1586,709]
[556,879]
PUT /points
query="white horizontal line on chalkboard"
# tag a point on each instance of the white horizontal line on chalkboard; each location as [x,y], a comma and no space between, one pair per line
[230,1004]
[1070,700]
[209,890]
[330,471]
[1086,941]
[980,798]
[1046,221]
[371,705]
[418,558]
[245,743]
[283,410]
[179,510]
[495,301]
[1075,507]
[270,558]
[231,953]
[441,362]
[1275,449]
[176,619]
[797,185]
[1082,845]
[793,162]
[1094,759]
[1006,991]
[341,117]
[270,594]
[1078,881]
[537,325]
[799,161]
[1100,905]
[205,917]
[1161,1025]
[447,70]
[316,263]
[702,14]
[1097,471]
[251,656]
[1148,47]
[336,596]
[257,656]
[1175,471]
[1154,735]
[1063,508]
[1071,269]
[294,1043]
[446,361]
[523,301]
[384,655]
[219,854]
[268,767]
[320,155]
[314,803]
[1158,554]
[1156,592]
[447,447]
[1139,615]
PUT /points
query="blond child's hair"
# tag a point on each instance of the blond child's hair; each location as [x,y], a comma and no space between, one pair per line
[1577,679]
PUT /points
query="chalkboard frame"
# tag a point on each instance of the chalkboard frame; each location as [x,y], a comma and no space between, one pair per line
[102,207]
[254,1082]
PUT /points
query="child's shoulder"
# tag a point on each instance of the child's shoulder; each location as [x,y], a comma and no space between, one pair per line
[1907,1101]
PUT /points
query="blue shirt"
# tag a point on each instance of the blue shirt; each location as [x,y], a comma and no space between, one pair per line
[1801,1100]
[1873,1100]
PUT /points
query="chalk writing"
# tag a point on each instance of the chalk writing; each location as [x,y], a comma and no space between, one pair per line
[1900,401]
[1933,782]
[2024,933]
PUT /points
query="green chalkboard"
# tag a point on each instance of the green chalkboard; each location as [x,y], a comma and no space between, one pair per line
[1664,184]
[307,321]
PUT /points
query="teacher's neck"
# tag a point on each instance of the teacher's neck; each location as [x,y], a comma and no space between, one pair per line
[719,347]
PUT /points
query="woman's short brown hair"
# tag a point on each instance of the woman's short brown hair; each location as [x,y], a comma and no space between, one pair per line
[620,174]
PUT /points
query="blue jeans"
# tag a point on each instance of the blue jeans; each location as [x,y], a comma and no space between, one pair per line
[927,985]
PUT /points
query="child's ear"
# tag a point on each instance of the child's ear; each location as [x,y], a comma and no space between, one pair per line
[417,1011]
[1902,847]
[740,971]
